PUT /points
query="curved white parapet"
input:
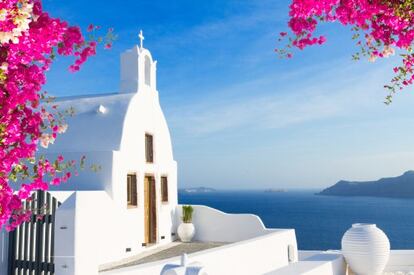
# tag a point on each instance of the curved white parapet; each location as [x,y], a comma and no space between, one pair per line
[216,226]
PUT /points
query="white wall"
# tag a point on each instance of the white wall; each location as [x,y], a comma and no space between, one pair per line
[332,263]
[323,263]
[214,225]
[90,230]
[144,115]
[125,164]
[401,260]
[133,70]
[129,71]
[87,178]
[65,228]
[255,256]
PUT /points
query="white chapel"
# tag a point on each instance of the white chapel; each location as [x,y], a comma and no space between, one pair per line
[126,134]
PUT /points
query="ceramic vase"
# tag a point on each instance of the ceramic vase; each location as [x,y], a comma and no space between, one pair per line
[186,232]
[366,249]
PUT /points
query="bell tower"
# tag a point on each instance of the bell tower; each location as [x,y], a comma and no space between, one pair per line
[138,69]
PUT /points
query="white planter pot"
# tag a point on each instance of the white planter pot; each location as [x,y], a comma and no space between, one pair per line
[186,232]
[366,249]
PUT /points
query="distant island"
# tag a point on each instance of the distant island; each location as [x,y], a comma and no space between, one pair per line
[274,190]
[197,190]
[396,187]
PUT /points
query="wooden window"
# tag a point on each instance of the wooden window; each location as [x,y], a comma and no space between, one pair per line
[164,189]
[132,190]
[149,148]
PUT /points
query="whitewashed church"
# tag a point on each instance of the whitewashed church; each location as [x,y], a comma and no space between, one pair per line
[126,134]
[130,203]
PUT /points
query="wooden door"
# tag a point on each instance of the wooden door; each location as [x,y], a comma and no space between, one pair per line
[150,211]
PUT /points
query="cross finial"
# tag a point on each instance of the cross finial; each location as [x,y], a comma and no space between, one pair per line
[141,39]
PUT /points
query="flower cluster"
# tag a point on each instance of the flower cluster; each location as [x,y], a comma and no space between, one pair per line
[380,27]
[15,17]
[30,39]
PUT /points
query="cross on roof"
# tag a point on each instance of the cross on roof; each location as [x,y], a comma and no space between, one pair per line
[141,39]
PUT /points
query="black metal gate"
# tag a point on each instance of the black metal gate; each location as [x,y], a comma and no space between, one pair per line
[31,245]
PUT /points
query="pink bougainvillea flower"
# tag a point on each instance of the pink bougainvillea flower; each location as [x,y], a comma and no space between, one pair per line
[90,28]
[29,37]
[380,28]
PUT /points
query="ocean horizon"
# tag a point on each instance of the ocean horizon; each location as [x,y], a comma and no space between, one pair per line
[319,221]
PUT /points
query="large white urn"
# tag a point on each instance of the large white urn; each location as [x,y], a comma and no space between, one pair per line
[186,232]
[366,249]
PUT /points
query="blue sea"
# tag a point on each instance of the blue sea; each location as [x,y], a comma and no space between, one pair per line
[319,221]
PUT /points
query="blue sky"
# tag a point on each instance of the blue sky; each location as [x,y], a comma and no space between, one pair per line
[241,118]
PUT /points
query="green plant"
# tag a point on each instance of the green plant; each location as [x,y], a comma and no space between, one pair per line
[187,213]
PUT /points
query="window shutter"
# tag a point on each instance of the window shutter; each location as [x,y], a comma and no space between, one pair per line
[134,199]
[164,189]
[129,190]
[149,148]
[146,148]
[132,190]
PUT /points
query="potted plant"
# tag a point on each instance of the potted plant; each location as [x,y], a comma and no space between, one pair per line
[186,229]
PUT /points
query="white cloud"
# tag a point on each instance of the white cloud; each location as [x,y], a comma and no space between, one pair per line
[264,104]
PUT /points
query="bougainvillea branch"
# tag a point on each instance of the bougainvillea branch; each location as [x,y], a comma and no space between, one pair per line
[30,39]
[380,28]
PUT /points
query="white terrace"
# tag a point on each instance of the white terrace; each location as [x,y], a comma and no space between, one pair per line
[253,249]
